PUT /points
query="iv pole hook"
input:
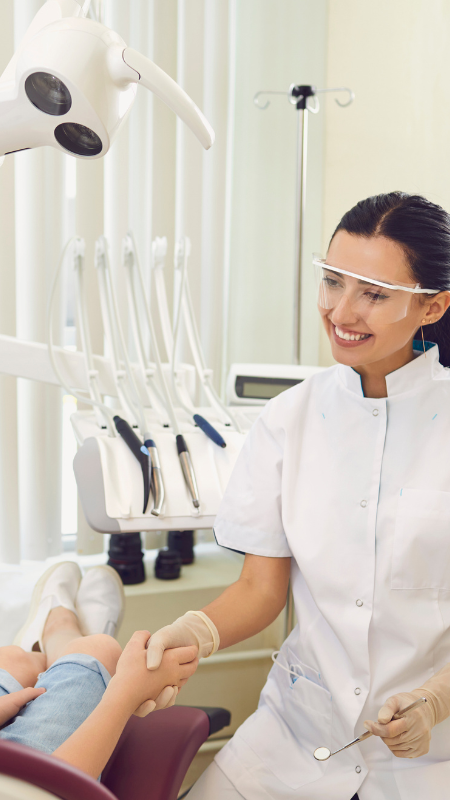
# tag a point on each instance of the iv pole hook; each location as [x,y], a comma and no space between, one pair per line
[267,103]
[350,98]
[293,99]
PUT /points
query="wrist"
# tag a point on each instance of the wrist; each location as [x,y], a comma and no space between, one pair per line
[430,707]
[118,693]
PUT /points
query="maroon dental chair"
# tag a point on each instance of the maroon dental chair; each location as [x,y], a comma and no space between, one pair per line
[149,763]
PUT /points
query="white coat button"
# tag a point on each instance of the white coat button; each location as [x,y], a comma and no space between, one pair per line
[357,690]
[358,769]
[363,503]
[375,412]
[359,603]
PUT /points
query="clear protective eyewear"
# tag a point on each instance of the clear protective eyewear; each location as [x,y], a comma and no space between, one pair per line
[368,297]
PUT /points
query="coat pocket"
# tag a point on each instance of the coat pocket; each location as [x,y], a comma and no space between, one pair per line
[421,551]
[294,717]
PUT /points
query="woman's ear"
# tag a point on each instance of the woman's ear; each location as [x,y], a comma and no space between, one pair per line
[437,307]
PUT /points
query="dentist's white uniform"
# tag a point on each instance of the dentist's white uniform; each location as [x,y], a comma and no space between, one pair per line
[357,491]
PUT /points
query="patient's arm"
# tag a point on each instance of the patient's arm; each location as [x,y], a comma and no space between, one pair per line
[10,704]
[92,744]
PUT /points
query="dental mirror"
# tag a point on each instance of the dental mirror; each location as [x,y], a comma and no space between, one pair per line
[323,753]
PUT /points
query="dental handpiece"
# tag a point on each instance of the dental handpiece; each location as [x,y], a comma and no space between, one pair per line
[209,430]
[188,470]
[323,753]
[134,443]
[157,480]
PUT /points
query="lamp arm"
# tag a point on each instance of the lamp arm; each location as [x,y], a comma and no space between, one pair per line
[50,12]
[155,79]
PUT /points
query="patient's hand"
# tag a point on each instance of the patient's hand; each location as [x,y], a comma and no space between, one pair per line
[10,704]
[139,687]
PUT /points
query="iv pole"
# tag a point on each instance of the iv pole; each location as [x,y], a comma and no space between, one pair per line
[300,97]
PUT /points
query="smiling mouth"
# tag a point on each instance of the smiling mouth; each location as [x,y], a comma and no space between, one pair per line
[350,336]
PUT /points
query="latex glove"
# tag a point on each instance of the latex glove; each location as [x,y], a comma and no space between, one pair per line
[410,736]
[164,700]
[193,628]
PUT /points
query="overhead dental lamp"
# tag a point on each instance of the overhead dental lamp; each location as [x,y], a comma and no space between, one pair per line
[73,81]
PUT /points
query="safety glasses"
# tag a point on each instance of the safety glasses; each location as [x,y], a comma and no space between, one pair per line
[367,297]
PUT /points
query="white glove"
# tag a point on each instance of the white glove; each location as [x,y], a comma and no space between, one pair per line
[410,736]
[193,628]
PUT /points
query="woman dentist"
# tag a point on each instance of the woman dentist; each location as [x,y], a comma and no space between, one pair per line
[343,486]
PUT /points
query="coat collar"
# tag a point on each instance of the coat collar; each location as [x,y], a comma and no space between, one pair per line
[411,376]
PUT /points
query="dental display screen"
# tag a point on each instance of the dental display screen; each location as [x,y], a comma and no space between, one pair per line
[263,388]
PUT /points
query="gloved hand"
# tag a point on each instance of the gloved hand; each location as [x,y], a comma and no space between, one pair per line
[410,736]
[164,700]
[193,628]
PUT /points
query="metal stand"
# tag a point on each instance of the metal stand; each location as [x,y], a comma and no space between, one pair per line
[301,93]
[300,97]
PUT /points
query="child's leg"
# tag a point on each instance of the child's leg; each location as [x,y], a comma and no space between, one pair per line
[74,683]
[24,667]
[62,636]
[78,668]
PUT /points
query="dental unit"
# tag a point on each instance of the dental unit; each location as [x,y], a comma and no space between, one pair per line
[134,270]
[71,85]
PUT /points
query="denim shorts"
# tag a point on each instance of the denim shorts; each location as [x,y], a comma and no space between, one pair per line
[75,685]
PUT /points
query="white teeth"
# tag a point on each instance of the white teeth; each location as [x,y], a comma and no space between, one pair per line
[350,337]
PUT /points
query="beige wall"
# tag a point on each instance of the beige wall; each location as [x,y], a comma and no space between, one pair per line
[395,55]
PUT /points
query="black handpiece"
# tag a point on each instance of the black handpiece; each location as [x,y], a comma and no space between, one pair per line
[188,469]
[134,443]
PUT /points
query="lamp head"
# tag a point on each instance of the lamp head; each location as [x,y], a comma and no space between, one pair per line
[69,86]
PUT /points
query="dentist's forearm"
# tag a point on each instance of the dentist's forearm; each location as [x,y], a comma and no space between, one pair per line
[253,602]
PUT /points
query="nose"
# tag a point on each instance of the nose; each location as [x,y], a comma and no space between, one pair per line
[343,313]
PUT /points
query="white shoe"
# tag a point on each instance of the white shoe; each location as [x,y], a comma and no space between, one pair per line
[100,602]
[58,586]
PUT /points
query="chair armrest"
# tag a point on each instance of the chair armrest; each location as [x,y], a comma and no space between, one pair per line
[154,753]
[49,773]
[219,718]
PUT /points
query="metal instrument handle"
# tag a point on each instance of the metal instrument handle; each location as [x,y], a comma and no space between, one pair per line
[398,715]
[404,711]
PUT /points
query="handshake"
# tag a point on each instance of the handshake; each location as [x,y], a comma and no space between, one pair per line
[152,669]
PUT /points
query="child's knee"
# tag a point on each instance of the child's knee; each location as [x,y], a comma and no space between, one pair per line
[11,654]
[108,649]
[24,667]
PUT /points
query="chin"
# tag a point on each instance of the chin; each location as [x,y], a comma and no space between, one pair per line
[350,358]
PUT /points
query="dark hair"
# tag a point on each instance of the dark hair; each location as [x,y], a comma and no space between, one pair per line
[422,229]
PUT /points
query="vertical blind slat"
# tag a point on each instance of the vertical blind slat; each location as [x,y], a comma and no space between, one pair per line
[38,225]
[9,487]
[89,224]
